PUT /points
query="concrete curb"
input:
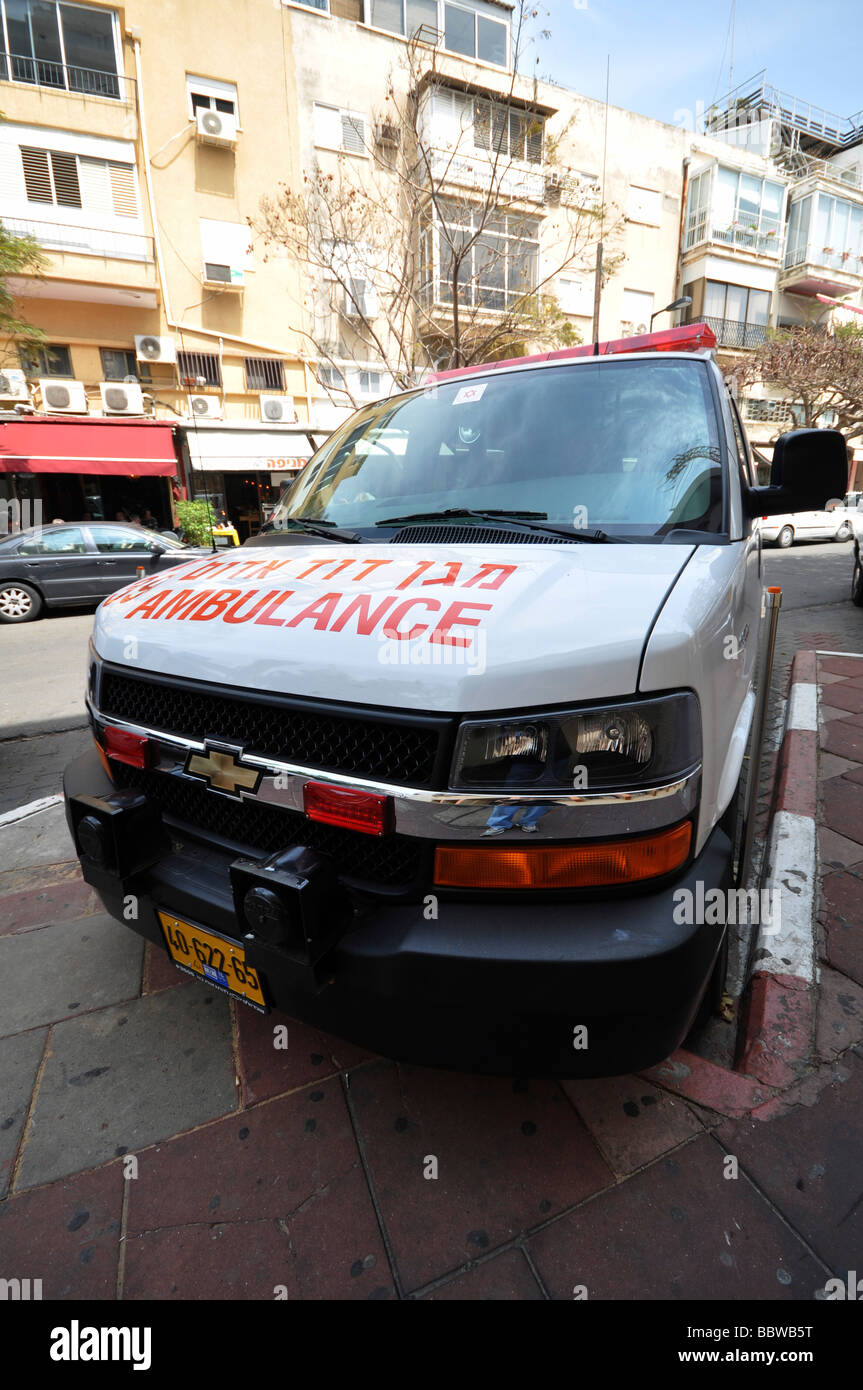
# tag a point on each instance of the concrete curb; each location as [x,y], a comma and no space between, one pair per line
[60,724]
[778,1027]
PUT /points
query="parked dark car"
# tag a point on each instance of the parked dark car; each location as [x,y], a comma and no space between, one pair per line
[72,563]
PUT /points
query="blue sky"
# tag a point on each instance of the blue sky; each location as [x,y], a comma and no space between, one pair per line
[667,56]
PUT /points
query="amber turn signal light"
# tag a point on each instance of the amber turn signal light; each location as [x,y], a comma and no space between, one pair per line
[592,865]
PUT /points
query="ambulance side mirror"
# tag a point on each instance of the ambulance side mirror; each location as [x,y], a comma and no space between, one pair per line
[809,466]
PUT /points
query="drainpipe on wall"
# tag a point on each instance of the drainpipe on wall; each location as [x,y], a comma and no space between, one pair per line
[684,194]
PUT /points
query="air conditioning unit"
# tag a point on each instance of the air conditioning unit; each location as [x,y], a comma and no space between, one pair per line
[225,276]
[205,407]
[387,134]
[63,397]
[13,385]
[217,128]
[553,189]
[149,348]
[278,408]
[362,302]
[121,398]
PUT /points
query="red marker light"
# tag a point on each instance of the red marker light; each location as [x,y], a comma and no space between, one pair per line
[689,337]
[124,747]
[367,812]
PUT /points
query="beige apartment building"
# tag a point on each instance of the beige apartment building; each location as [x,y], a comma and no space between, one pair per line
[140,139]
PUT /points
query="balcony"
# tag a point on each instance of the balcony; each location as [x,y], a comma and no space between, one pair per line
[810,269]
[734,333]
[88,82]
[507,179]
[84,241]
[701,230]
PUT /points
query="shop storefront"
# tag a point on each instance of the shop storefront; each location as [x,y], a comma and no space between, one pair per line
[94,468]
[244,468]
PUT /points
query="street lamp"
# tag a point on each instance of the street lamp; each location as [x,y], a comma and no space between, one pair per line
[683,303]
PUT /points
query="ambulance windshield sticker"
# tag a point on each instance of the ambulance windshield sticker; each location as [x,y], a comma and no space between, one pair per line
[470,393]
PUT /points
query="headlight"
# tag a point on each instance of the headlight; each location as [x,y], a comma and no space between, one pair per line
[645,744]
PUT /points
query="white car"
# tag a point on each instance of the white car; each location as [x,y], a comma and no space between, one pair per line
[448,764]
[827,524]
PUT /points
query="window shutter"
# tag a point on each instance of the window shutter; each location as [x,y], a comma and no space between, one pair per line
[67,189]
[95,185]
[353,134]
[327,126]
[123,191]
[36,176]
[533,151]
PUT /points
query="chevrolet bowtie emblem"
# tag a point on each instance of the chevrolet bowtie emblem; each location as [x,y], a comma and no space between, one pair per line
[221,769]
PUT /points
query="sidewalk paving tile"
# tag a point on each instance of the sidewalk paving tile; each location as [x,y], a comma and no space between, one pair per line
[127,1076]
[677,1230]
[160,972]
[53,972]
[842,807]
[837,850]
[807,1162]
[39,839]
[840,912]
[842,736]
[846,695]
[507,1277]
[509,1153]
[53,902]
[631,1121]
[287,1171]
[20,1056]
[267,1071]
[67,1235]
[840,1013]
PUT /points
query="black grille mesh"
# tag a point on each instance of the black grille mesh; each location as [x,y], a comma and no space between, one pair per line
[392,860]
[468,535]
[399,753]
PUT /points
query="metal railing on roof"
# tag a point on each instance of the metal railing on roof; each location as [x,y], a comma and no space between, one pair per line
[757,95]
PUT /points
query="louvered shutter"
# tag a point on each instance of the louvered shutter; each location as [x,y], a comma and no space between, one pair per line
[95,185]
[36,175]
[67,190]
[353,134]
[123,191]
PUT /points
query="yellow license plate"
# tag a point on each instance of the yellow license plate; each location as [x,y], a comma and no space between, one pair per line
[212,958]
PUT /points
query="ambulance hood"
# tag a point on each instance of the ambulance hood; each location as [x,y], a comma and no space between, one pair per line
[421,627]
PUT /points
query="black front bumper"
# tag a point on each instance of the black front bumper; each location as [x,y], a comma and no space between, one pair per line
[587,988]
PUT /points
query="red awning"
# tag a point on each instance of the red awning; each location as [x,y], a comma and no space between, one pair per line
[57,444]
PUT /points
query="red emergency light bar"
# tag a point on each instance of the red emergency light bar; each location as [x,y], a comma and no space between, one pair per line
[688,338]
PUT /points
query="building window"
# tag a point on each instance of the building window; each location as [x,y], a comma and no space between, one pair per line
[833,237]
[405,17]
[264,374]
[475,35]
[734,208]
[53,44]
[46,361]
[332,377]
[370,383]
[199,368]
[503,130]
[77,181]
[313,4]
[119,364]
[738,315]
[206,94]
[498,257]
[637,309]
[336,129]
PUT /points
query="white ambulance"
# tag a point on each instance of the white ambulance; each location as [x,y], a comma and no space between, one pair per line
[428,764]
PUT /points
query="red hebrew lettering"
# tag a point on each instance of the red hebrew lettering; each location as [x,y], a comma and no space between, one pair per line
[485,570]
[420,569]
[368,566]
[453,569]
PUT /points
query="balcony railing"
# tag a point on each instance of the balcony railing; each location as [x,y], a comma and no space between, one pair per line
[827,257]
[84,241]
[765,242]
[734,333]
[91,82]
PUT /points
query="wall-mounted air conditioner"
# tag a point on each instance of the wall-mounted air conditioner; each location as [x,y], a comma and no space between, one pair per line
[278,408]
[63,397]
[149,348]
[13,385]
[217,128]
[225,277]
[205,407]
[121,398]
[387,134]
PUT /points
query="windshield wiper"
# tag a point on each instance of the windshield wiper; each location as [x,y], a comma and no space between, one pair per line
[512,518]
[328,529]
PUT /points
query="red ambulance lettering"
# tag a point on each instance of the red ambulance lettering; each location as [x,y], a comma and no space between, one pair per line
[233,614]
[485,570]
[453,570]
[390,626]
[183,603]
[215,606]
[420,569]
[316,566]
[200,571]
[455,614]
[366,621]
[342,565]
[271,607]
[148,608]
[321,611]
[368,566]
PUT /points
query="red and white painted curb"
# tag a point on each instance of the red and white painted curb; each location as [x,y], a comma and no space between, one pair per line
[779,1021]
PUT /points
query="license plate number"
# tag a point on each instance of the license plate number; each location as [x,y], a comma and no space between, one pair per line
[213,958]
